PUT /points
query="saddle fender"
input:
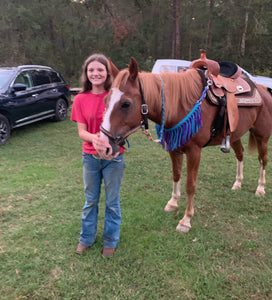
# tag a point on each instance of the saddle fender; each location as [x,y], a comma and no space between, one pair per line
[233,113]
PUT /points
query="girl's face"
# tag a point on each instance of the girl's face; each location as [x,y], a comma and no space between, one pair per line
[96,73]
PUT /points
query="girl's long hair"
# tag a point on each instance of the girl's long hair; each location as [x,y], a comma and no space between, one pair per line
[86,84]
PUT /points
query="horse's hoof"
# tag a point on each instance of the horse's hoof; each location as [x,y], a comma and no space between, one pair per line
[236,187]
[170,208]
[182,228]
[260,193]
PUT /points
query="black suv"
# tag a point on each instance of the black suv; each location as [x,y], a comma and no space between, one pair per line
[29,94]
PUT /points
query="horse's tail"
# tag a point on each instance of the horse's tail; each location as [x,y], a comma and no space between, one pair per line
[252,143]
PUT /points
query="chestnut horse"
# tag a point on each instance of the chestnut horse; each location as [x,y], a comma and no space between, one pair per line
[180,92]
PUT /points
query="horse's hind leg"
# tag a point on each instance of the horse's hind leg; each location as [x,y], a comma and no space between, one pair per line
[262,150]
[176,158]
[239,153]
[260,189]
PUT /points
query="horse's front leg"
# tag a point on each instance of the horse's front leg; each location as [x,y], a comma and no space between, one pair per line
[239,153]
[193,161]
[239,176]
[176,158]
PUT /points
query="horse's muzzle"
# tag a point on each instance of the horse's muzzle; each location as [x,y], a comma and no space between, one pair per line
[115,147]
[115,142]
[119,140]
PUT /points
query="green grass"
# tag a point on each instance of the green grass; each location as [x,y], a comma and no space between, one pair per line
[226,255]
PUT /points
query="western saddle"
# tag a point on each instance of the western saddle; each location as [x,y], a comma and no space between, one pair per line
[228,89]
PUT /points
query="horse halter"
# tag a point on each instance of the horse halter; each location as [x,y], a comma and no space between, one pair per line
[121,140]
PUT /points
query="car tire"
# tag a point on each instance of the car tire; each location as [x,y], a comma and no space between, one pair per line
[61,110]
[4,129]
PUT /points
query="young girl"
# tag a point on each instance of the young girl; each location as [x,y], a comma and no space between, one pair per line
[88,110]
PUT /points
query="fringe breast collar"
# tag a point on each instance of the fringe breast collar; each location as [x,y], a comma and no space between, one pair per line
[181,133]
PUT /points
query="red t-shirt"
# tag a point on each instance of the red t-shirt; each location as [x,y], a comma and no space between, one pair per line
[89,108]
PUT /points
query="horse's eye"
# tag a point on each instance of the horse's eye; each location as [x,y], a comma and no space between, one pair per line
[125,104]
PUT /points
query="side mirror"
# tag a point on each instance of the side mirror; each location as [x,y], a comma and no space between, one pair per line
[17,87]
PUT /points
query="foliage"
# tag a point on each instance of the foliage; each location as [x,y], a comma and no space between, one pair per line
[226,255]
[62,33]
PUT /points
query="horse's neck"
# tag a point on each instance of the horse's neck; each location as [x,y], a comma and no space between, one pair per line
[164,93]
[153,95]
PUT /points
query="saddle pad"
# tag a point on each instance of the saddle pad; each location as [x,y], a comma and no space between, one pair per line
[252,98]
[249,99]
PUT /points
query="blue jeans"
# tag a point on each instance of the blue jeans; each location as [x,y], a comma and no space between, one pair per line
[94,170]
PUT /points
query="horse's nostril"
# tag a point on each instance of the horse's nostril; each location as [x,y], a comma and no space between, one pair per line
[107,151]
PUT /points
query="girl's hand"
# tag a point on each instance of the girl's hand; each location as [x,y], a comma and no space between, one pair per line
[103,147]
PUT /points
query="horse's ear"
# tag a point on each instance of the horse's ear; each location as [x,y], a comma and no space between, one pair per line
[133,69]
[114,69]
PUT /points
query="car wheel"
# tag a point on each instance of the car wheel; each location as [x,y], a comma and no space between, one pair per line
[4,129]
[61,110]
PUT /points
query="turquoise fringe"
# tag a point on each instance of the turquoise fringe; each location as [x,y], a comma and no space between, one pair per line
[181,133]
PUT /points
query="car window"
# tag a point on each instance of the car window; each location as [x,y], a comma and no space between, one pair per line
[54,77]
[40,77]
[24,78]
[5,76]
[165,68]
[182,69]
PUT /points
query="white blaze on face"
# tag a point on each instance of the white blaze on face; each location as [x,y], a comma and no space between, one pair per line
[115,97]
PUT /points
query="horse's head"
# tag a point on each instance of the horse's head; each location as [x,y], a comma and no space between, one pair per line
[123,115]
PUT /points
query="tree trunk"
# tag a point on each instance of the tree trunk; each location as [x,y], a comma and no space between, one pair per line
[243,42]
[209,39]
[176,30]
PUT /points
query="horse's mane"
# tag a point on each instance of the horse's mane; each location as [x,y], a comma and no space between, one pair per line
[121,78]
[180,89]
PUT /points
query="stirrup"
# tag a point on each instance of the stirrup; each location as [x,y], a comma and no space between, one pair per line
[225,146]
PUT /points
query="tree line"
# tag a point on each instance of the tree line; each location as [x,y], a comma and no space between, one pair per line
[62,33]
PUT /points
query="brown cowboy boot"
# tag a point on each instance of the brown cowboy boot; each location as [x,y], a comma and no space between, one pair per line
[81,248]
[108,252]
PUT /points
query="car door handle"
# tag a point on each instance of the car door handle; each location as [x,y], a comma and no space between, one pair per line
[54,90]
[35,95]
